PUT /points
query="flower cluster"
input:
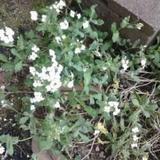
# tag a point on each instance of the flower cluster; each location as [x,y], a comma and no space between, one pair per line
[125,63]
[73,14]
[34,16]
[34,55]
[58,6]
[6,35]
[135,131]
[112,106]
[37,97]
[48,76]
[81,47]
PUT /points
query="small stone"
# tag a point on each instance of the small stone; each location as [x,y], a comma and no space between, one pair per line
[97,149]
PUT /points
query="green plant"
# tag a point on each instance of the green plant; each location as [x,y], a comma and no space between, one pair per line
[73,86]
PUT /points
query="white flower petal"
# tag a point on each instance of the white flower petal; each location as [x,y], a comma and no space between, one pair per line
[34,15]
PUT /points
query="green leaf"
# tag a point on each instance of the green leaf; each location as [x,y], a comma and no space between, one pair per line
[23,120]
[20,43]
[92,112]
[45,144]
[3,58]
[84,138]
[15,53]
[114,27]
[9,141]
[125,22]
[98,22]
[8,67]
[122,124]
[146,114]
[116,37]
[18,66]
[87,79]
[93,12]
[135,102]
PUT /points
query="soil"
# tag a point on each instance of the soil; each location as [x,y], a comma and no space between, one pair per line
[97,153]
[8,125]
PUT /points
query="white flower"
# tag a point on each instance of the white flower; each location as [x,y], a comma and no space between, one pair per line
[32,70]
[64,25]
[34,15]
[63,36]
[125,63]
[2,87]
[116,111]
[37,83]
[2,32]
[83,47]
[134,145]
[98,54]
[72,13]
[85,24]
[61,4]
[37,97]
[54,86]
[107,109]
[5,119]
[143,62]
[139,26]
[35,48]
[44,18]
[70,84]
[57,105]
[145,157]
[58,39]
[32,107]
[96,132]
[78,15]
[8,40]
[9,32]
[135,137]
[33,56]
[135,130]
[48,77]
[52,53]
[6,35]
[77,50]
[58,6]
[2,149]
[2,101]
[113,104]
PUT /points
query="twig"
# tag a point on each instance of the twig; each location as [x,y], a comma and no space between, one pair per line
[26,139]
[87,155]
[62,89]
